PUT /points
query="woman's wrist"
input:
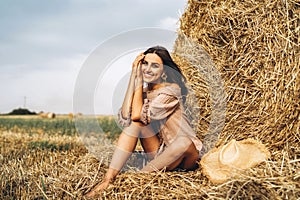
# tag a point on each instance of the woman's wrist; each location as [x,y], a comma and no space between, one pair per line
[133,73]
[138,82]
[111,175]
[108,179]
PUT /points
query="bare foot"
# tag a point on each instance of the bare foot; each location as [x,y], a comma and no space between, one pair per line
[97,189]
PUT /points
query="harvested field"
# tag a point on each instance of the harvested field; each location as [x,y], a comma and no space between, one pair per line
[62,168]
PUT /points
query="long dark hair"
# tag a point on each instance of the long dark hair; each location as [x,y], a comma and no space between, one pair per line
[173,72]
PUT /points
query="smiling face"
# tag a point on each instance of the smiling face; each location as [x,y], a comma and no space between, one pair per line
[152,68]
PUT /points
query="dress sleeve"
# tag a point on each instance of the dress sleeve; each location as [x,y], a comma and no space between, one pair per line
[124,122]
[159,108]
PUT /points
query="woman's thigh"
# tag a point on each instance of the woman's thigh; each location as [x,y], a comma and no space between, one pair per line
[149,141]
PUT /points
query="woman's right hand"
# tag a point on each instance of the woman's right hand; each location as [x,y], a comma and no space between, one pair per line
[138,61]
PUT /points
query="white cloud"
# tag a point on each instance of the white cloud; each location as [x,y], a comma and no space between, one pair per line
[169,23]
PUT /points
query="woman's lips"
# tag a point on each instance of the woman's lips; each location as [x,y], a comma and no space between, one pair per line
[147,75]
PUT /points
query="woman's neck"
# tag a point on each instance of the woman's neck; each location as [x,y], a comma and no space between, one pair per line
[154,86]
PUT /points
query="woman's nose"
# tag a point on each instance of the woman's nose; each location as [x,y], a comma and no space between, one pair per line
[148,68]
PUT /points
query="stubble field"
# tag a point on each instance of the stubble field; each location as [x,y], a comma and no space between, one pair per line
[47,159]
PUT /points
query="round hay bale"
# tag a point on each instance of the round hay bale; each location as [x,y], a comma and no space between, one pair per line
[255,47]
[51,115]
[48,115]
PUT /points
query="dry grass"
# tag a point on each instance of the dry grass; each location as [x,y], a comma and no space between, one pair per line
[254,45]
[44,173]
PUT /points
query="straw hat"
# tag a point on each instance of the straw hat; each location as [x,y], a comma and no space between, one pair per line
[221,163]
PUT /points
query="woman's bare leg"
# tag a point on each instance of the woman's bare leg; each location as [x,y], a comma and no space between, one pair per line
[126,144]
[181,152]
[149,141]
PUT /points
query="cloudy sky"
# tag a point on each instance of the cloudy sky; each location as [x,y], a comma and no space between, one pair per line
[43,44]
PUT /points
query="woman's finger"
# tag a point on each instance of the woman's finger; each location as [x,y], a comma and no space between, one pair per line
[138,59]
[139,70]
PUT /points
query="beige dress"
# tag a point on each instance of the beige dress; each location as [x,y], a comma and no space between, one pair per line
[163,110]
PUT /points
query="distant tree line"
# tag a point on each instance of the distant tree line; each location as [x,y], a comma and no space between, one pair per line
[21,111]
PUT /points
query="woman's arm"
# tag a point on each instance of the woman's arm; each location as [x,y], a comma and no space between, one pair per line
[137,101]
[127,102]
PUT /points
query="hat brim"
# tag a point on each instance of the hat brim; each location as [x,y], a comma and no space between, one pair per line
[250,153]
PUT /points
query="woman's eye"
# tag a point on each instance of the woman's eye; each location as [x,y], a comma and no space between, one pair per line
[155,66]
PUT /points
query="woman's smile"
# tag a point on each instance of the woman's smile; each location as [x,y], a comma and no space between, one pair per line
[148,75]
[152,68]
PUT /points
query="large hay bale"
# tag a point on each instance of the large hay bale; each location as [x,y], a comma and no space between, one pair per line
[255,47]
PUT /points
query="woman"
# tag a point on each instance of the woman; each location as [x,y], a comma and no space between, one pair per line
[155,115]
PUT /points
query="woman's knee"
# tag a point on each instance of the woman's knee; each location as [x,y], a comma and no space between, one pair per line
[184,146]
[184,142]
[133,130]
[147,132]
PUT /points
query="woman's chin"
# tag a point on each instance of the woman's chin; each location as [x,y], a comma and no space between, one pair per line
[147,80]
[151,80]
